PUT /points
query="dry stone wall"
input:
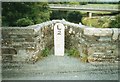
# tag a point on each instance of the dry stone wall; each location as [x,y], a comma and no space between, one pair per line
[94,44]
[21,43]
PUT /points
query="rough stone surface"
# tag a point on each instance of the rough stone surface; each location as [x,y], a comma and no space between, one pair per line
[98,31]
[88,41]
[115,34]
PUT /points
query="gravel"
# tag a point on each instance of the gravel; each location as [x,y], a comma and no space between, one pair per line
[60,68]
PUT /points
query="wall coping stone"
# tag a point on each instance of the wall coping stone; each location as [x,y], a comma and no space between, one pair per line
[89,31]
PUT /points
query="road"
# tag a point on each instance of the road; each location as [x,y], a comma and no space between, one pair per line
[60,68]
[88,7]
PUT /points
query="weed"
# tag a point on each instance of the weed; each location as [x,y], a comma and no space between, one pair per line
[45,52]
[73,52]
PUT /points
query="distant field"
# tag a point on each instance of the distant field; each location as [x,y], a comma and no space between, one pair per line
[103,5]
[98,22]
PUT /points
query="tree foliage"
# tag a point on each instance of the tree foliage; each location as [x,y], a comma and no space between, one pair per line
[71,16]
[24,13]
[24,22]
[115,23]
[74,16]
[57,14]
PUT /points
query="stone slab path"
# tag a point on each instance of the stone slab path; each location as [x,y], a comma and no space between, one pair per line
[60,68]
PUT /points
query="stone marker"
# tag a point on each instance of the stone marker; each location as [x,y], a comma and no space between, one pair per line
[59,39]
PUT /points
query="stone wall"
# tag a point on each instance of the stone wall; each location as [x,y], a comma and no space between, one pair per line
[96,44]
[0,45]
[21,43]
[102,44]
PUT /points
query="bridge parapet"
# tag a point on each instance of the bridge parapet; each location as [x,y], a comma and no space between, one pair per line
[24,39]
[100,44]
[96,43]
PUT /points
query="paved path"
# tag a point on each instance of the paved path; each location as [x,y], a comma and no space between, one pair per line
[60,68]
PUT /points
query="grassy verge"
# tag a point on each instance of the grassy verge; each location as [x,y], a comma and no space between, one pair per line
[98,22]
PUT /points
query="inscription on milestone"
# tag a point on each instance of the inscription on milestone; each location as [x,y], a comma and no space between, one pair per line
[59,39]
[59,30]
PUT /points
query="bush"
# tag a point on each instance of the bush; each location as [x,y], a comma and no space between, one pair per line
[74,16]
[24,22]
[115,23]
[73,52]
[57,14]
[83,3]
[45,52]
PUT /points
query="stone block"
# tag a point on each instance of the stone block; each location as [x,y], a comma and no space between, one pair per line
[18,30]
[119,37]
[103,32]
[98,32]
[115,34]
[89,31]
[99,53]
[104,38]
[90,51]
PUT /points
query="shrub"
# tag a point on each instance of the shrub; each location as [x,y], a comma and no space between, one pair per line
[74,16]
[24,22]
[45,52]
[115,23]
[83,3]
[73,52]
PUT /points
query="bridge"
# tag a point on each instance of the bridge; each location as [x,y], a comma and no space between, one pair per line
[86,8]
[99,44]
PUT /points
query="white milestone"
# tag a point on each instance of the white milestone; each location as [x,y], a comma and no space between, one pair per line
[59,32]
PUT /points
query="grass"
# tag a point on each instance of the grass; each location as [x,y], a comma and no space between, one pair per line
[73,52]
[98,22]
[45,52]
[103,5]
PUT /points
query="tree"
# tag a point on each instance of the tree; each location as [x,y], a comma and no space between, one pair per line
[24,22]
[24,13]
[57,14]
[83,3]
[115,23]
[74,16]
